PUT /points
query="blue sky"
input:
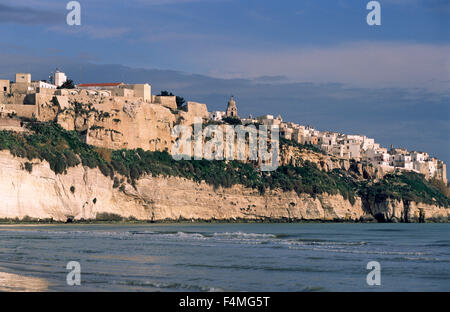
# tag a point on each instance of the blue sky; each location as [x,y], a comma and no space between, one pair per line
[313,61]
[231,38]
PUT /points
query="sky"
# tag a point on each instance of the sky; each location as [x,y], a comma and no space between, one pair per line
[313,62]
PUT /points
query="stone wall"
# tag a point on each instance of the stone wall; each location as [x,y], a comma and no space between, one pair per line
[11,125]
[23,110]
[167,101]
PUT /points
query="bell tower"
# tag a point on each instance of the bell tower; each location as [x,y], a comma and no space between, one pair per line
[231,108]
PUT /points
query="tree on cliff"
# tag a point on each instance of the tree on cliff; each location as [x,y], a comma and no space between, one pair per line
[232,120]
[68,84]
[180,101]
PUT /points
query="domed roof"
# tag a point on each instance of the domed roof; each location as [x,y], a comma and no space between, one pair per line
[231,101]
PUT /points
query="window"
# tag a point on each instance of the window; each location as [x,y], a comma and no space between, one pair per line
[4,89]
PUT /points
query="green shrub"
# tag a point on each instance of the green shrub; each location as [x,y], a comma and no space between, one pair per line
[105,216]
[28,167]
[232,120]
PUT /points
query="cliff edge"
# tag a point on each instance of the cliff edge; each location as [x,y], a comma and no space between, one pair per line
[49,173]
[85,193]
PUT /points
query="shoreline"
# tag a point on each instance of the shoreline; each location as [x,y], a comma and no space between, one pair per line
[13,222]
[11,282]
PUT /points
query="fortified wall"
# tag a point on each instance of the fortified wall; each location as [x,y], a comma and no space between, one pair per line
[113,118]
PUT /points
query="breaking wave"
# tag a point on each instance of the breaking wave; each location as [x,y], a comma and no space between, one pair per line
[172,286]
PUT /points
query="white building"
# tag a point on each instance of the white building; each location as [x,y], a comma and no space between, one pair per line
[353,149]
[217,115]
[338,150]
[383,159]
[327,138]
[269,120]
[286,131]
[60,78]
[419,156]
[42,85]
[368,143]
[403,161]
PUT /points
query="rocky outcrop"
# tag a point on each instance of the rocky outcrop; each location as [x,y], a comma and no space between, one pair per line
[83,193]
[173,198]
[291,155]
[392,210]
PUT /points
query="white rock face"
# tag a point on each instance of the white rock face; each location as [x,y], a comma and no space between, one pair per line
[392,209]
[42,194]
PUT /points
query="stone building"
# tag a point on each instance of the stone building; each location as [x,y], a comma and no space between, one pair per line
[4,86]
[121,89]
[23,78]
[169,101]
[99,86]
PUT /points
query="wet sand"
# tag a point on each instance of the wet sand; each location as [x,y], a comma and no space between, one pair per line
[19,283]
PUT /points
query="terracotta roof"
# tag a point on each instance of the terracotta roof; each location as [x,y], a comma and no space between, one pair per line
[114,84]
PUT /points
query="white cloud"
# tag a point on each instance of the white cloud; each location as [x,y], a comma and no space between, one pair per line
[374,64]
[37,4]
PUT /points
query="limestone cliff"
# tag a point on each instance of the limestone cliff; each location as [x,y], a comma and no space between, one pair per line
[83,193]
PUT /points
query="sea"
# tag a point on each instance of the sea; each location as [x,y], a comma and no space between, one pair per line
[204,257]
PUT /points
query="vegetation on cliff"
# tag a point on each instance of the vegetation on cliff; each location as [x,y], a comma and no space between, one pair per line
[407,186]
[306,179]
[60,148]
[310,147]
[179,100]
[63,149]
[232,121]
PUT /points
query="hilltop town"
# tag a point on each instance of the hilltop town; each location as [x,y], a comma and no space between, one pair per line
[120,115]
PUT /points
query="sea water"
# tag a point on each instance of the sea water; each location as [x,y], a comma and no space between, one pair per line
[226,257]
